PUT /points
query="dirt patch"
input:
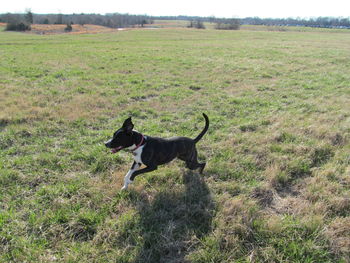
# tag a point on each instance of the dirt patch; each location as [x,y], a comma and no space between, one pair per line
[76,29]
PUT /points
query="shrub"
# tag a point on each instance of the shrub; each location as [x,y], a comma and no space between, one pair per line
[224,26]
[228,24]
[68,28]
[17,26]
[196,24]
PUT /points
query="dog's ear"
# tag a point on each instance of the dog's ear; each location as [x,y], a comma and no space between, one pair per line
[128,125]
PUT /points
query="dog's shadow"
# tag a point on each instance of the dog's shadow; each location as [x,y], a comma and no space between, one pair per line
[173,220]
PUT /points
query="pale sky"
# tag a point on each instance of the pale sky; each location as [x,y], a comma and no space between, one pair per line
[218,8]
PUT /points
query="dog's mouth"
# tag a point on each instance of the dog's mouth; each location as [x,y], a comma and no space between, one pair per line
[117,149]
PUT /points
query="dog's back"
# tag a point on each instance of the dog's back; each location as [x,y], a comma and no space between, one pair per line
[161,151]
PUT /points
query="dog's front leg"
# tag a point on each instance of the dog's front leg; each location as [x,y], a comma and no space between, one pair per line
[135,166]
[147,169]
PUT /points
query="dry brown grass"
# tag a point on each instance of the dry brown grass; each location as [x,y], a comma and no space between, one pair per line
[338,232]
[77,29]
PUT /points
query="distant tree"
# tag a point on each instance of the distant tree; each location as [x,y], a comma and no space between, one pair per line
[143,22]
[11,18]
[212,19]
[81,19]
[59,19]
[29,17]
[46,21]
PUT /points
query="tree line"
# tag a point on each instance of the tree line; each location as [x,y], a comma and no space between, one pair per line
[322,22]
[113,20]
[22,22]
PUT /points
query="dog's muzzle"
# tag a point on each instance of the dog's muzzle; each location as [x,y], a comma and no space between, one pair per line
[113,150]
[108,144]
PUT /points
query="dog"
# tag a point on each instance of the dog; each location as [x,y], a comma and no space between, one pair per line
[154,151]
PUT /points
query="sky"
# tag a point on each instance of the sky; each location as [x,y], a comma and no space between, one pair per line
[217,8]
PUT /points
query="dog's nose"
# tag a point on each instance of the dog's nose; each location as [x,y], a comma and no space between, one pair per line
[107,144]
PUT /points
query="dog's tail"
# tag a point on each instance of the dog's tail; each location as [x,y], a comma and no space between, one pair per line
[204,130]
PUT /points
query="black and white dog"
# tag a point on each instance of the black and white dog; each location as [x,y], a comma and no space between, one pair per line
[153,151]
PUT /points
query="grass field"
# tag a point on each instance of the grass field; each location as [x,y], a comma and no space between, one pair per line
[276,186]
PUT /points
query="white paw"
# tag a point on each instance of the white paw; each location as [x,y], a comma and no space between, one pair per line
[127,181]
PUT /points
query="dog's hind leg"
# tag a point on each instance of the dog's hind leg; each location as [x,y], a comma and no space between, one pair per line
[202,166]
[192,162]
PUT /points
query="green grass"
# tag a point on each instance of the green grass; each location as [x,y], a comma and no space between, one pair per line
[276,185]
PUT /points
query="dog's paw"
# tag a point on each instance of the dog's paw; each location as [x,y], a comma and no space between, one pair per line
[126,185]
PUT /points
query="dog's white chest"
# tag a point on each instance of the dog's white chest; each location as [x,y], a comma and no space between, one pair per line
[137,155]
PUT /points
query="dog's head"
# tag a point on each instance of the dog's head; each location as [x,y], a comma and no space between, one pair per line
[122,138]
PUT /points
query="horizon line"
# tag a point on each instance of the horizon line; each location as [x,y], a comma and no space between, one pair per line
[182,15]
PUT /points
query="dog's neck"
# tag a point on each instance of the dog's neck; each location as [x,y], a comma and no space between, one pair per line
[138,140]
